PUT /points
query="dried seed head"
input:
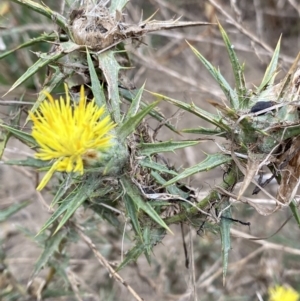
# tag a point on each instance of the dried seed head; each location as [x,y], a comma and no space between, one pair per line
[93,26]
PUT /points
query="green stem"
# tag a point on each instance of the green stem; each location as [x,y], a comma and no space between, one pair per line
[46,11]
[229,180]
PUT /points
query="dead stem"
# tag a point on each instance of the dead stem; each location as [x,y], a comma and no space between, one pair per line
[105,263]
[247,33]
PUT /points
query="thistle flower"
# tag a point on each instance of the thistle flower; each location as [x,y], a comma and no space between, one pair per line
[70,135]
[282,293]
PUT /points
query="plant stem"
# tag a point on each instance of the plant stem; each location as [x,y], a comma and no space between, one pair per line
[229,181]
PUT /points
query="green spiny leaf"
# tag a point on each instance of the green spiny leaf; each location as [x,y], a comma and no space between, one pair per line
[135,195]
[22,136]
[172,189]
[104,212]
[44,37]
[71,203]
[110,68]
[229,180]
[68,201]
[237,68]
[286,85]
[147,243]
[204,131]
[132,213]
[51,247]
[211,118]
[6,213]
[135,104]
[147,149]
[230,94]
[130,95]
[61,190]
[210,162]
[156,166]
[131,124]
[46,11]
[82,195]
[151,236]
[14,122]
[270,73]
[32,162]
[96,87]
[45,59]
[131,256]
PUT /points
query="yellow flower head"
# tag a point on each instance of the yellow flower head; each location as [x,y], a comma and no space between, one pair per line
[70,134]
[282,293]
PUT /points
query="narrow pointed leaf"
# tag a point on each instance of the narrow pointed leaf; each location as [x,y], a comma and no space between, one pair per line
[286,82]
[22,136]
[32,162]
[97,89]
[104,212]
[130,95]
[135,195]
[270,73]
[147,149]
[15,113]
[204,131]
[61,190]
[211,118]
[46,11]
[230,179]
[210,162]
[45,59]
[132,214]
[156,166]
[70,204]
[110,68]
[131,256]
[6,213]
[135,104]
[147,243]
[79,198]
[44,37]
[230,94]
[236,67]
[172,189]
[51,247]
[152,236]
[68,201]
[131,124]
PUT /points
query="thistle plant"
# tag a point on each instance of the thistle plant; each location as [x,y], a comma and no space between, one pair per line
[104,158]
